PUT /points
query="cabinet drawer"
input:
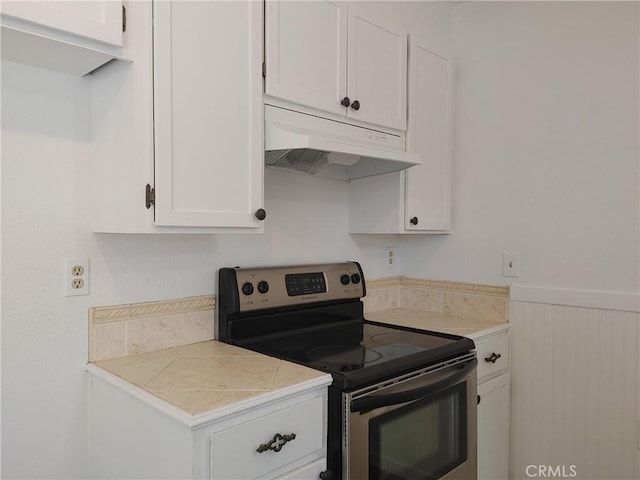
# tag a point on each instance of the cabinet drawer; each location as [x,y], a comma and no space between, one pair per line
[310,471]
[493,355]
[234,451]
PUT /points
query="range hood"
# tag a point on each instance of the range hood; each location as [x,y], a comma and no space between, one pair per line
[331,149]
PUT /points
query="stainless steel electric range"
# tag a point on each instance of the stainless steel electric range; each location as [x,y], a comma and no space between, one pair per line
[402,404]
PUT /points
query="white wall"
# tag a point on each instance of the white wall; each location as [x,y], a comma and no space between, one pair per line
[46,217]
[546,163]
[545,148]
[45,145]
[46,212]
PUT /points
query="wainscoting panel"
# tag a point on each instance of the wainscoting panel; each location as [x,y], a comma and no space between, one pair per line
[575,389]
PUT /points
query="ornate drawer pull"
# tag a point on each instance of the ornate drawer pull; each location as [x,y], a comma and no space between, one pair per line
[276,443]
[493,358]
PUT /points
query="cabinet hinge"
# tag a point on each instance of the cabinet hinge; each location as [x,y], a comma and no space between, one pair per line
[124,19]
[150,196]
[264,70]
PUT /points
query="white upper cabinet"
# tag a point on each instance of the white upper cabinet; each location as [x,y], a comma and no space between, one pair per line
[417,200]
[70,36]
[428,186]
[338,58]
[377,73]
[182,121]
[97,20]
[208,113]
[306,53]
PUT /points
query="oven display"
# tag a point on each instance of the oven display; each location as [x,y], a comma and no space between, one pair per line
[305,283]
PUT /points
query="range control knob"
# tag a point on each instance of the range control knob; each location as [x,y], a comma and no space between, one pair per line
[355,278]
[344,279]
[247,288]
[263,287]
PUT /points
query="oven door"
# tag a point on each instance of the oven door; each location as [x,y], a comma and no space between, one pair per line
[421,426]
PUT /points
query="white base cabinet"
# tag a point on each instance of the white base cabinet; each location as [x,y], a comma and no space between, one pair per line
[131,439]
[71,37]
[178,143]
[417,200]
[494,407]
[493,428]
[234,452]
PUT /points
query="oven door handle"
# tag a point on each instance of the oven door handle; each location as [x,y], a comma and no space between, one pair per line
[370,402]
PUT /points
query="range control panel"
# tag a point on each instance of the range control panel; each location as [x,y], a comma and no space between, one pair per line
[269,287]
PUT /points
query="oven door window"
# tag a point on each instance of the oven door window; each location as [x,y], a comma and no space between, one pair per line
[424,439]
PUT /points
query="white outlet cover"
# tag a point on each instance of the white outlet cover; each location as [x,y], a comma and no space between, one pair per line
[390,258]
[69,276]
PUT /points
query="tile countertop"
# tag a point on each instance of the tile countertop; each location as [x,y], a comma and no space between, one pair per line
[203,381]
[437,322]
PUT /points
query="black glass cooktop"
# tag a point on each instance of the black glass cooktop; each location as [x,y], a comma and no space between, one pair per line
[358,352]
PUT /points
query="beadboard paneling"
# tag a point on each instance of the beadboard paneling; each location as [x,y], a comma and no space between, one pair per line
[575,374]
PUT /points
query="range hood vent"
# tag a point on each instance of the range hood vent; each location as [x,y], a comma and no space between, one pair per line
[317,146]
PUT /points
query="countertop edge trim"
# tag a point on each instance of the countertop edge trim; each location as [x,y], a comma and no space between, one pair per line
[260,400]
[488,332]
[139,393]
[195,421]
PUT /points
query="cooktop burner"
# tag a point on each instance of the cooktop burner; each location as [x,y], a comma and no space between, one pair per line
[343,356]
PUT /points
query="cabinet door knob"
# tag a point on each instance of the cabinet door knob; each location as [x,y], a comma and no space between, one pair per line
[414,221]
[326,475]
[345,102]
[355,105]
[479,398]
[493,358]
[261,214]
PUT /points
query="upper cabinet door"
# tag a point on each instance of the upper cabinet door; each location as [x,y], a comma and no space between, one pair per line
[377,72]
[208,113]
[306,48]
[99,20]
[427,192]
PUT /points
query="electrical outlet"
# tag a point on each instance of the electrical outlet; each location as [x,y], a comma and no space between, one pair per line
[511,264]
[76,277]
[390,257]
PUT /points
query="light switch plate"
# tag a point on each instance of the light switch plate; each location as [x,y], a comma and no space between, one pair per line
[511,264]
